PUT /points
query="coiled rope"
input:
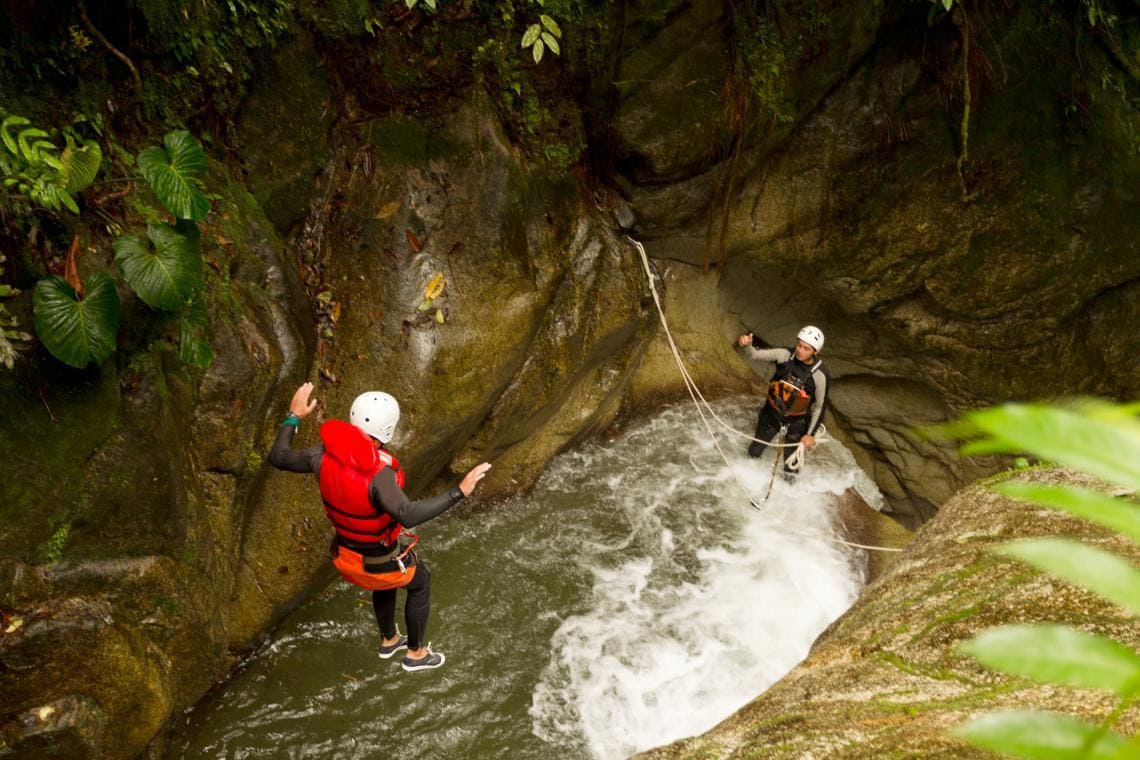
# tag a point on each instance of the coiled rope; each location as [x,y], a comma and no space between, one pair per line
[705,410]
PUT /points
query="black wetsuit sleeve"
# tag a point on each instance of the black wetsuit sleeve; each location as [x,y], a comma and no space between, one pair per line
[284,457]
[391,498]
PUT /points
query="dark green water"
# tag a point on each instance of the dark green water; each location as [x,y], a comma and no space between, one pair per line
[632,599]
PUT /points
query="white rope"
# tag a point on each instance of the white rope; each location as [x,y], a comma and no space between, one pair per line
[703,408]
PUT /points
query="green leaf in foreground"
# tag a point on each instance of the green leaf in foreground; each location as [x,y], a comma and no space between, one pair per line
[1099,571]
[1113,513]
[1040,735]
[1092,437]
[174,173]
[1058,654]
[165,276]
[77,332]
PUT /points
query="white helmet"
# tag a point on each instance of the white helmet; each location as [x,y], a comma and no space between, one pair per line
[813,336]
[376,413]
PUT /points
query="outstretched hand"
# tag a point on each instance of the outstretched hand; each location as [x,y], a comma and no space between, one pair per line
[301,405]
[471,479]
[745,340]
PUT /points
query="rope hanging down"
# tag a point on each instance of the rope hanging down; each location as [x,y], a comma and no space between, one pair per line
[705,410]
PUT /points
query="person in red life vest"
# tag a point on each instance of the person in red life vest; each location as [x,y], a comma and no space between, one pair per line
[362,485]
[797,392]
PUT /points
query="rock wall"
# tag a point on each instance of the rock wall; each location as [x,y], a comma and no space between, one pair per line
[130,545]
[856,221]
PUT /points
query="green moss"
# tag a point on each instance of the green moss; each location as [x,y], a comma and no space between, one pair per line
[169,606]
[977,697]
[53,549]
[919,669]
[337,18]
[50,429]
[251,454]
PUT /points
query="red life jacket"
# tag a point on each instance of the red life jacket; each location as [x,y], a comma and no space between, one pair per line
[350,463]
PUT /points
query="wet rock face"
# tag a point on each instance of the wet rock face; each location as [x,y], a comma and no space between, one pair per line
[886,679]
[539,322]
[134,493]
[930,304]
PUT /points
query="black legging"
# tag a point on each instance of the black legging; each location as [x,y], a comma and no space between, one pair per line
[768,425]
[416,607]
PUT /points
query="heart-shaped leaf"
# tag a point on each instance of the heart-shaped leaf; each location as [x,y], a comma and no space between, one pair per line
[80,165]
[77,332]
[174,173]
[164,276]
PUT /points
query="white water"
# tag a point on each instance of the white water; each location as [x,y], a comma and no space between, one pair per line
[675,641]
[634,597]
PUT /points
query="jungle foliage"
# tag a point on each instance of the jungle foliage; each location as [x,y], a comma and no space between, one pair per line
[36,167]
[78,319]
[1103,440]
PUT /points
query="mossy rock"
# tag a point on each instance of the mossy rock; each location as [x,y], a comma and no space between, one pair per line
[284,131]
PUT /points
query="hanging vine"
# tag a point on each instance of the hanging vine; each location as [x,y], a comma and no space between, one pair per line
[964,130]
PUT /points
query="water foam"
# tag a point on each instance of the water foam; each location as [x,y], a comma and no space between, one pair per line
[708,601]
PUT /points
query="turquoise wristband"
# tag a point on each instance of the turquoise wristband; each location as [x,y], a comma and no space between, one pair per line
[291,419]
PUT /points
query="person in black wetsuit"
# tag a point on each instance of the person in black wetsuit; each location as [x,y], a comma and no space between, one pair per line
[362,485]
[797,392]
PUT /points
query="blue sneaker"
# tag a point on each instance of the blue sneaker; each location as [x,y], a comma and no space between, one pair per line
[389,650]
[427,662]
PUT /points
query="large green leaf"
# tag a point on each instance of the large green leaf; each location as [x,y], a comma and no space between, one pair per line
[1058,654]
[77,332]
[1113,513]
[1040,735]
[174,173]
[1095,569]
[1092,437]
[80,165]
[164,276]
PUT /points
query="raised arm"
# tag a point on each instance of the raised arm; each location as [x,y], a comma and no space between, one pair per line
[392,499]
[282,456]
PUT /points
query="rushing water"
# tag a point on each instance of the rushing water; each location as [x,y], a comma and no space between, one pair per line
[633,598]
